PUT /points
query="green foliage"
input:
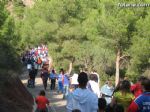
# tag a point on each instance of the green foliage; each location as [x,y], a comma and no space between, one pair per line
[139,50]
[18,9]
[8,41]
[86,33]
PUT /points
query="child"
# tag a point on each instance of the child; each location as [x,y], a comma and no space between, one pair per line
[41,102]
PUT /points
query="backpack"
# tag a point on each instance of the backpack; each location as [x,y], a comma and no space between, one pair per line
[39,61]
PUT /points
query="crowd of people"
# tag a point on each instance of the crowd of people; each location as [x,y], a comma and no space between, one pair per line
[83,92]
[37,57]
[123,98]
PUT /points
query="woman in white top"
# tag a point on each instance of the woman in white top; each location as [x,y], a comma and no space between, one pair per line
[93,85]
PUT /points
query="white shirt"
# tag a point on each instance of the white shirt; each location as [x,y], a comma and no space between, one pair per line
[94,87]
[74,79]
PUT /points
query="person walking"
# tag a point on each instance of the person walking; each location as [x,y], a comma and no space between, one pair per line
[93,85]
[66,84]
[60,81]
[142,102]
[107,91]
[82,98]
[53,79]
[44,76]
[42,102]
[32,75]
[74,80]
[136,89]
[123,97]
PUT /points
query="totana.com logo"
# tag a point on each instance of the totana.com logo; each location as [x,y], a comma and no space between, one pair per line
[42,0]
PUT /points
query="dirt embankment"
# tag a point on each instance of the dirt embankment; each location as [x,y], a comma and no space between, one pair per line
[13,95]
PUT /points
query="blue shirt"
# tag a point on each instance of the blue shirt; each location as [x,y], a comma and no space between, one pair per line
[60,77]
[66,80]
[107,91]
[143,102]
[82,99]
[52,76]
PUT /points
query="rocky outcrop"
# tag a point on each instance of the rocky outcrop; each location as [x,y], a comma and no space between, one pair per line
[13,95]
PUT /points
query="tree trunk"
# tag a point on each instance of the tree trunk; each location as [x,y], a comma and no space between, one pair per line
[117,67]
[85,64]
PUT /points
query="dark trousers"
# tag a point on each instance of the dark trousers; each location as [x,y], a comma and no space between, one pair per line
[53,81]
[33,78]
[43,110]
[44,82]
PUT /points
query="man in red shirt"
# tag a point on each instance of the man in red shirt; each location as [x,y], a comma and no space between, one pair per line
[142,102]
[137,88]
[41,102]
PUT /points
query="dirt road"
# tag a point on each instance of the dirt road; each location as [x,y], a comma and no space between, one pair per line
[56,102]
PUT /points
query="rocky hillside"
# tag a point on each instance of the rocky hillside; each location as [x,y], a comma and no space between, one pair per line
[13,95]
